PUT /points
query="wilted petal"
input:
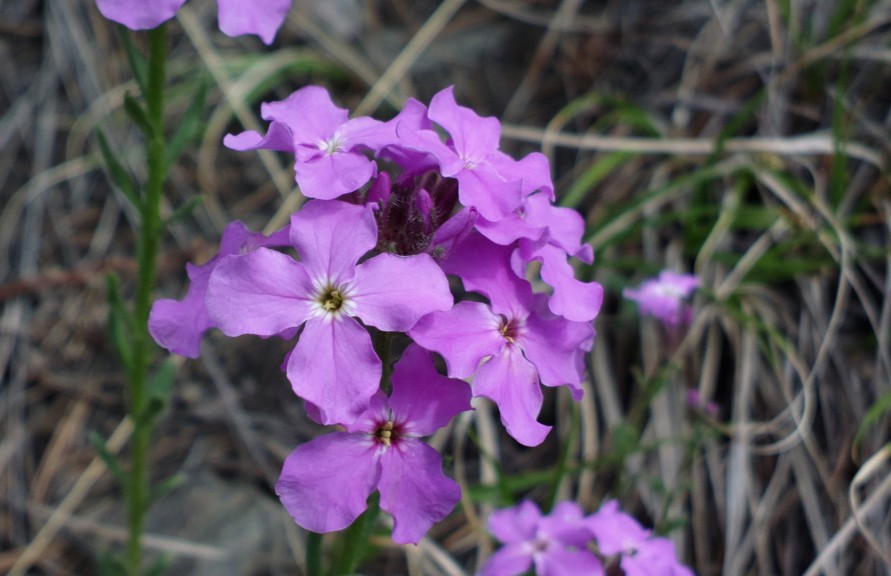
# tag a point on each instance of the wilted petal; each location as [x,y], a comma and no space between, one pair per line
[463,336]
[263,293]
[414,490]
[260,17]
[423,398]
[510,381]
[324,483]
[335,368]
[393,292]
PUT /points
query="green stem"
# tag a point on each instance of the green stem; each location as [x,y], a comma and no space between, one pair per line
[313,554]
[137,490]
[354,540]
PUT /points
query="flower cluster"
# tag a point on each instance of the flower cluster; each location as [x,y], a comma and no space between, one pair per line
[236,17]
[394,211]
[566,543]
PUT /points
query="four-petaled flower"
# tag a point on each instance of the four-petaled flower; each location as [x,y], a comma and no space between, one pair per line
[178,325]
[333,365]
[640,553]
[555,544]
[325,483]
[520,342]
[665,297]
[329,148]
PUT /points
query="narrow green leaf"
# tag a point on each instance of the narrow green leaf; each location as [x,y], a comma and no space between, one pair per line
[110,460]
[873,415]
[593,176]
[137,113]
[137,62]
[159,566]
[111,565]
[160,385]
[183,210]
[190,126]
[353,541]
[165,486]
[120,321]
[117,173]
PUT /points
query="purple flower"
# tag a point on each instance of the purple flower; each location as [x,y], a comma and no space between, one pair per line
[488,179]
[325,483]
[665,297]
[236,17]
[328,146]
[178,325]
[519,342]
[556,544]
[641,553]
[334,365]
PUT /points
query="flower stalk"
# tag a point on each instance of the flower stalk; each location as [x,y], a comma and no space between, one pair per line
[150,229]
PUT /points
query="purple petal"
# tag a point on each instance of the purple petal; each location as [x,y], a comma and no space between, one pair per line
[324,483]
[559,561]
[656,557]
[616,531]
[260,17]
[263,293]
[572,299]
[516,524]
[452,232]
[393,292]
[490,193]
[567,525]
[463,336]
[335,368]
[414,490]
[565,226]
[331,236]
[510,560]
[473,136]
[310,115]
[422,398]
[551,343]
[179,325]
[510,381]
[331,175]
[278,137]
[485,268]
[139,14]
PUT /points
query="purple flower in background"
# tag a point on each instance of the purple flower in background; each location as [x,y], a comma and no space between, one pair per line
[324,483]
[328,146]
[641,553]
[664,298]
[236,17]
[333,365]
[557,544]
[510,348]
[178,325]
